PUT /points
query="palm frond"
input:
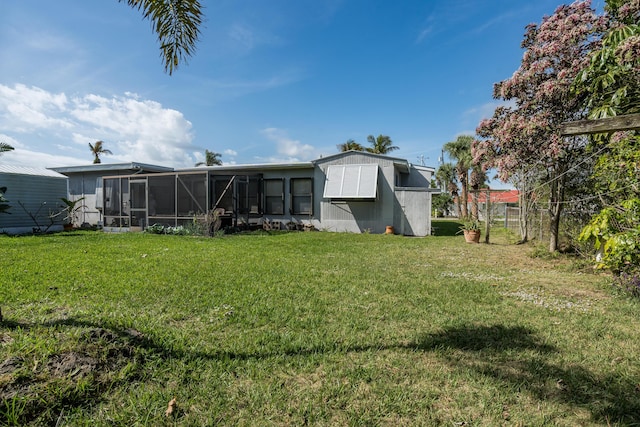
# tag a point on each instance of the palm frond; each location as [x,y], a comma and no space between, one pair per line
[177,25]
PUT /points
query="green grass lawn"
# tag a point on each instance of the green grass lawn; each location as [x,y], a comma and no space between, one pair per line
[309,328]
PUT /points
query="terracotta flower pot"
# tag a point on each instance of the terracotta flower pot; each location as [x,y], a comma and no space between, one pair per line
[389,229]
[472,236]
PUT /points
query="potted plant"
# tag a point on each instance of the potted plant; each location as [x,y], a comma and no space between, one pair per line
[70,211]
[471,230]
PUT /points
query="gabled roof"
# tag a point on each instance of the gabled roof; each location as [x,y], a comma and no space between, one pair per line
[402,164]
[134,167]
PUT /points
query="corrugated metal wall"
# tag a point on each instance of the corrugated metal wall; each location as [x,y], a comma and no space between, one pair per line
[413,218]
[40,196]
[353,215]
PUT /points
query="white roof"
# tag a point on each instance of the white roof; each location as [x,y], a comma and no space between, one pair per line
[25,170]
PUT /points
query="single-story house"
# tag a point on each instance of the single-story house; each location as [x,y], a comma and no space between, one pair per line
[34,198]
[351,191]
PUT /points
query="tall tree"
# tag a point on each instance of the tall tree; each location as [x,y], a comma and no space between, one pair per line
[211,158]
[460,151]
[381,145]
[446,178]
[528,135]
[97,150]
[477,180]
[177,25]
[612,84]
[350,145]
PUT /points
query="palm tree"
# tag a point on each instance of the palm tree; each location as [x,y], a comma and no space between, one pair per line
[446,179]
[211,159]
[381,144]
[460,151]
[97,149]
[177,24]
[5,147]
[350,145]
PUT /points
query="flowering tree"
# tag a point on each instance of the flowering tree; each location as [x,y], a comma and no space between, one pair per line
[525,140]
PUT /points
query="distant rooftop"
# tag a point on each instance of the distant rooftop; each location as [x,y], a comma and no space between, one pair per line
[108,167]
[26,170]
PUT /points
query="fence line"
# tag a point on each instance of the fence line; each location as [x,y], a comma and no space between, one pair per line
[538,222]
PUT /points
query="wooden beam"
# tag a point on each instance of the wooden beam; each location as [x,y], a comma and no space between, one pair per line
[606,125]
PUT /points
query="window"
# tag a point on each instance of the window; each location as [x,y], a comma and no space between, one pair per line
[274,196]
[301,196]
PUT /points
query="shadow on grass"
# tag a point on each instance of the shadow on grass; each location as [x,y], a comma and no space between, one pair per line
[512,355]
[515,356]
[445,227]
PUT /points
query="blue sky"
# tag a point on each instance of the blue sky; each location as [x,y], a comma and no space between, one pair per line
[271,81]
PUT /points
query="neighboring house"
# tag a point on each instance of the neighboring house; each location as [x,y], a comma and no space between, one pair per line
[499,201]
[35,199]
[86,182]
[350,192]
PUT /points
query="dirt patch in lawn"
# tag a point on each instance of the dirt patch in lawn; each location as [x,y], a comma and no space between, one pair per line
[34,391]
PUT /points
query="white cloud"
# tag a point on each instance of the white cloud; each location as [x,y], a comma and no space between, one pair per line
[28,107]
[230,152]
[134,129]
[291,149]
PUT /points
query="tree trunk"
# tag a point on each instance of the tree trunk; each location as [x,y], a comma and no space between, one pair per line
[474,204]
[465,195]
[556,200]
[456,197]
[524,214]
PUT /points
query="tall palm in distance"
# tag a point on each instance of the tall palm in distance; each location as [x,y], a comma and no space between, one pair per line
[97,150]
[5,147]
[381,145]
[350,145]
[446,178]
[210,159]
[460,151]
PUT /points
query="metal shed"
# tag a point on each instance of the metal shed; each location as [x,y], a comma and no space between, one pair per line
[34,196]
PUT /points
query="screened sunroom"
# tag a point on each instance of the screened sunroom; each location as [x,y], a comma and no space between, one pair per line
[134,202]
